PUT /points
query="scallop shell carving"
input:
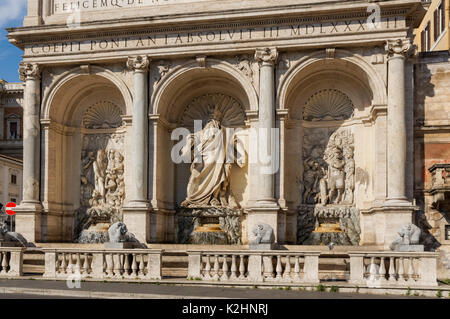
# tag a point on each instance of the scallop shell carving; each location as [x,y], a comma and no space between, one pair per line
[202,108]
[103,114]
[329,104]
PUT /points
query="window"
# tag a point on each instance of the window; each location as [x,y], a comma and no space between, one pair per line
[439,20]
[13,127]
[13,200]
[13,179]
[425,38]
[447,232]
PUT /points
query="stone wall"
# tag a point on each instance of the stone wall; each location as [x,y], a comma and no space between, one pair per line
[432,145]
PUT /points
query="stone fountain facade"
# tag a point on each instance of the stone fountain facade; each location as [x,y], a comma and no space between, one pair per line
[321,93]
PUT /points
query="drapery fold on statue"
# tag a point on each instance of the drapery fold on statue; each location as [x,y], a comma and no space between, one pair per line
[208,172]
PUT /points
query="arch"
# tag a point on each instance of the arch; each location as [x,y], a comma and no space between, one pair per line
[188,80]
[316,68]
[96,78]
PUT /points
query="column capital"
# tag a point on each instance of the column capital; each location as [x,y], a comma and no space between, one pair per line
[138,63]
[29,71]
[267,55]
[399,48]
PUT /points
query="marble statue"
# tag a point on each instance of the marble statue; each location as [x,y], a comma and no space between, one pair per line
[409,236]
[263,235]
[118,233]
[8,238]
[209,183]
[336,175]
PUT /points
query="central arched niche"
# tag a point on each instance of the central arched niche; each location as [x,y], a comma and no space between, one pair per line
[190,95]
[86,115]
[326,98]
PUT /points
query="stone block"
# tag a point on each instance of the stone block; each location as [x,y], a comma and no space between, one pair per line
[272,246]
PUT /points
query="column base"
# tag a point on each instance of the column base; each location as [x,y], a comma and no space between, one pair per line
[136,215]
[380,225]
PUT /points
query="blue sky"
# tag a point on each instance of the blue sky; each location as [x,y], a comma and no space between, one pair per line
[11,15]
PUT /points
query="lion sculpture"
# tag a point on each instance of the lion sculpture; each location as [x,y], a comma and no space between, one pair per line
[409,235]
[118,233]
[264,234]
[13,237]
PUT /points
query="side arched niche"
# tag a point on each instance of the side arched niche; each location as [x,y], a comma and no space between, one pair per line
[82,113]
[328,100]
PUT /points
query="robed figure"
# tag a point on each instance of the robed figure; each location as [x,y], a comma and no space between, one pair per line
[213,151]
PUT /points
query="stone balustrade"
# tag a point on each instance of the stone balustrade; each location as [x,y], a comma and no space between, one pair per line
[258,266]
[142,264]
[11,262]
[393,269]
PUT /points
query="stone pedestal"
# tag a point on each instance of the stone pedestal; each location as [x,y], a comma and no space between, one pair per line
[137,220]
[263,215]
[380,225]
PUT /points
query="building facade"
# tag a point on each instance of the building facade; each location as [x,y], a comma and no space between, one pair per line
[433,34]
[11,112]
[330,92]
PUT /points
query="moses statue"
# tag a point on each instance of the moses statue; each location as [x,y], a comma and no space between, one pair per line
[213,152]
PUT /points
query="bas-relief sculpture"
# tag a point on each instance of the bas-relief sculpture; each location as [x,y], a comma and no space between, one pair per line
[264,237]
[102,190]
[328,213]
[210,213]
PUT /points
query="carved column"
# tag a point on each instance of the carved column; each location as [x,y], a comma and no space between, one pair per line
[265,209]
[136,213]
[28,213]
[396,126]
[267,59]
[30,74]
[140,65]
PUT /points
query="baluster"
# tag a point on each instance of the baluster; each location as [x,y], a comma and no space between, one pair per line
[225,268]
[109,264]
[382,269]
[85,268]
[287,268]
[134,266]
[372,270]
[216,267]
[207,274]
[297,268]
[141,265]
[4,262]
[392,275]
[411,271]
[57,263]
[63,264]
[78,264]
[269,271]
[401,270]
[70,265]
[279,269]
[117,266]
[126,265]
[233,267]
[241,267]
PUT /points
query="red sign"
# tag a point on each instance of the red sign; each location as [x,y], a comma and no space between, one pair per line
[9,211]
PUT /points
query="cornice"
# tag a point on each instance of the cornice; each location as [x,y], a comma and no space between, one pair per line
[143,27]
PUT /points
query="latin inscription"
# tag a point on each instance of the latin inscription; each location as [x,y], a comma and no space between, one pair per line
[68,6]
[209,37]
